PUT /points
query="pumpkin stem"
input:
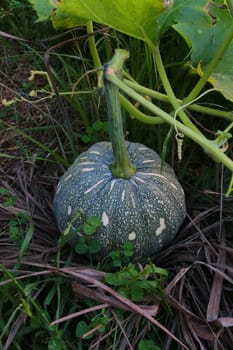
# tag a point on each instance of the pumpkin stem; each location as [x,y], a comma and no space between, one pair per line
[121,166]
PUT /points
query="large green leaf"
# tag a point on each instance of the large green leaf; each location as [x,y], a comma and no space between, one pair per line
[204,24]
[132,17]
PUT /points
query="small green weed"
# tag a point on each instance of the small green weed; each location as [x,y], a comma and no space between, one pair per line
[98,324]
[86,244]
[93,133]
[26,308]
[20,228]
[129,279]
[123,256]
[135,283]
[8,199]
[88,226]
[148,345]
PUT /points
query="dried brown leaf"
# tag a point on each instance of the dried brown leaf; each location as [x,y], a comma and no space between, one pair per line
[216,290]
[225,322]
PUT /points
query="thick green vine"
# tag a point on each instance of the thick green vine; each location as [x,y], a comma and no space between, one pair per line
[121,167]
[210,147]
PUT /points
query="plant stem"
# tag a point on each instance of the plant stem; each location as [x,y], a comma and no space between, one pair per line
[211,66]
[209,146]
[92,47]
[167,87]
[164,98]
[230,187]
[135,113]
[121,166]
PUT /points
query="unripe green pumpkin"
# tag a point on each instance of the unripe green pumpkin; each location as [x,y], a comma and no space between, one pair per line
[146,209]
[121,183]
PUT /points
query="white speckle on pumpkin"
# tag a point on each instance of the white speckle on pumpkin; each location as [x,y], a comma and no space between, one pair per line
[95,152]
[123,195]
[148,161]
[138,178]
[133,201]
[88,169]
[162,226]
[105,219]
[86,163]
[142,149]
[132,236]
[58,188]
[133,182]
[112,185]
[152,174]
[173,186]
[68,177]
[69,210]
[93,187]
